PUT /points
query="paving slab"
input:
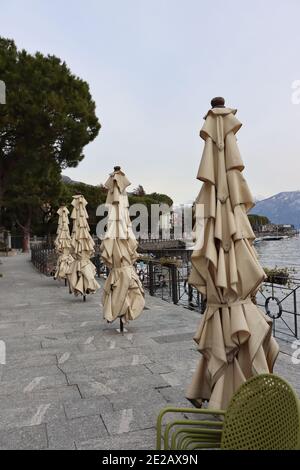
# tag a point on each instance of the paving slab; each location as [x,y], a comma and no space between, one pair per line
[72,382]
[25,438]
[80,408]
[64,433]
[26,414]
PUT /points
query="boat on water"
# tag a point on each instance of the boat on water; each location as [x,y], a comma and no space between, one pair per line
[270,238]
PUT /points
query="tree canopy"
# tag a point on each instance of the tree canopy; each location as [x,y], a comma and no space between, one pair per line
[96,195]
[257,220]
[48,119]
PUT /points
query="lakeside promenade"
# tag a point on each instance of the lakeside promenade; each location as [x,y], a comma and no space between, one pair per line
[72,382]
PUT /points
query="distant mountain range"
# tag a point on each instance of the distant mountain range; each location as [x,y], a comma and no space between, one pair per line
[283,208]
[66,179]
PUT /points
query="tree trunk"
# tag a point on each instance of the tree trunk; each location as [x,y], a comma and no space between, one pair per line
[26,233]
[26,239]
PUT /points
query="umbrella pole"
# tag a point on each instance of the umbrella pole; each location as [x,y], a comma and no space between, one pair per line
[84,297]
[121,329]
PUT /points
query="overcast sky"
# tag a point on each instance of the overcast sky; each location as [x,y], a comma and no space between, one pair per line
[153,67]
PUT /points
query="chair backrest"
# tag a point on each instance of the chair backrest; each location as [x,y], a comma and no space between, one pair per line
[263,414]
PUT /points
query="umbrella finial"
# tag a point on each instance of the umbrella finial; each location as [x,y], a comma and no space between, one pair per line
[218,102]
[117,168]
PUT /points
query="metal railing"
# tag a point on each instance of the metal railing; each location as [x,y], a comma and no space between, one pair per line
[101,269]
[282,304]
[169,281]
[44,259]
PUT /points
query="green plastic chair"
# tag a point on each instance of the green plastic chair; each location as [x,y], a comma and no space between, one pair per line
[192,433]
[264,414]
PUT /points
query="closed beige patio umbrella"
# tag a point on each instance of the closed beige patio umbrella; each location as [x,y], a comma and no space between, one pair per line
[123,295]
[82,271]
[63,244]
[234,336]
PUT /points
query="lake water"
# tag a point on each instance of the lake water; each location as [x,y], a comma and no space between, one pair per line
[282,253]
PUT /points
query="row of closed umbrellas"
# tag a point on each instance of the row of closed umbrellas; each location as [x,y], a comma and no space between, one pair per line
[123,295]
[234,337]
[75,251]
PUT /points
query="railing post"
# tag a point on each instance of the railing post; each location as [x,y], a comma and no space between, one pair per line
[190,295]
[174,284]
[203,303]
[295,313]
[97,264]
[151,278]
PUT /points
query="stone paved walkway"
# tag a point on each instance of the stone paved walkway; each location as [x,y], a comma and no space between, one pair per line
[71,381]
